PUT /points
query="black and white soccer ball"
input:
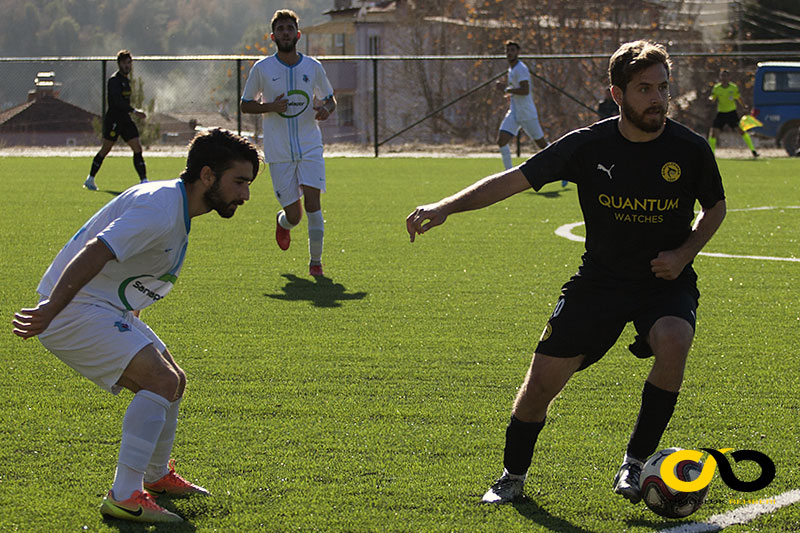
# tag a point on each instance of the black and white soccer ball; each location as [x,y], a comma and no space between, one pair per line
[663,500]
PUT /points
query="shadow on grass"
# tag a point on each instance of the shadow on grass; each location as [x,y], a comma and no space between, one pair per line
[125,526]
[533,512]
[319,292]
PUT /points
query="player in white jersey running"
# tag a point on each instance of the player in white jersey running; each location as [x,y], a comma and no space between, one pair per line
[292,91]
[126,257]
[522,111]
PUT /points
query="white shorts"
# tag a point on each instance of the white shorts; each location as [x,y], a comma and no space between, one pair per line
[531,126]
[98,342]
[288,177]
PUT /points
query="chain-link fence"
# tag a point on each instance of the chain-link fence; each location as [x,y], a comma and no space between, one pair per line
[385,103]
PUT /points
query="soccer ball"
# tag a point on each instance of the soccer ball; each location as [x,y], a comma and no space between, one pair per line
[664,500]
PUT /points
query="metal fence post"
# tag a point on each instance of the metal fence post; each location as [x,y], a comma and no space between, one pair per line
[375,103]
[103,91]
[238,95]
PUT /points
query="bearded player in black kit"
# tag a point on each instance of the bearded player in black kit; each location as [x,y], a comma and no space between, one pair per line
[638,177]
[118,123]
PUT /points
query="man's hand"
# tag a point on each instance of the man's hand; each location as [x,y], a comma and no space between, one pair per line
[668,265]
[322,113]
[31,322]
[415,222]
[280,104]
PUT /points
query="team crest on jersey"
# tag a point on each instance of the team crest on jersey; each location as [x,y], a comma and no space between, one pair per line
[122,326]
[671,171]
[305,78]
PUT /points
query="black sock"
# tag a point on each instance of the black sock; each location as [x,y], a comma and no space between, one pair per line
[520,440]
[654,415]
[138,164]
[96,163]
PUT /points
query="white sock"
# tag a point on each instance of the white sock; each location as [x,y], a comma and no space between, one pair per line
[159,461]
[316,233]
[505,152]
[283,221]
[143,422]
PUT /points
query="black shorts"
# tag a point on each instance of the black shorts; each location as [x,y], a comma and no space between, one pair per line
[116,126]
[731,118]
[589,316]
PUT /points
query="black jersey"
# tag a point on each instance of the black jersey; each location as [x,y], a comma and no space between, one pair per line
[637,198]
[119,95]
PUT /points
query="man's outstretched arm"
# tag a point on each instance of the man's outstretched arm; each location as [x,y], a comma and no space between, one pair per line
[482,193]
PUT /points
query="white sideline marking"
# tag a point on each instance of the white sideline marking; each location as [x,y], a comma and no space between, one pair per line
[565,231]
[738,516]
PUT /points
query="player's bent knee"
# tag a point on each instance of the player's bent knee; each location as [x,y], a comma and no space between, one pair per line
[166,383]
[671,336]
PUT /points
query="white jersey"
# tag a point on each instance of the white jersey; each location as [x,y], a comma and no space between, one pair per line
[294,134]
[147,229]
[522,106]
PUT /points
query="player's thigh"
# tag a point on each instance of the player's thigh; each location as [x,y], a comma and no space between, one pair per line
[150,370]
[97,342]
[285,182]
[128,131]
[532,128]
[508,128]
[311,172]
[676,300]
[110,128]
[587,320]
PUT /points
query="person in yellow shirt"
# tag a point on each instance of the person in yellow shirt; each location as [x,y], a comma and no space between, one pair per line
[726,94]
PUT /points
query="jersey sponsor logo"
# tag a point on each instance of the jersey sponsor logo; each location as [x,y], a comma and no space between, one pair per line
[606,170]
[637,204]
[298,102]
[138,292]
[671,171]
[638,210]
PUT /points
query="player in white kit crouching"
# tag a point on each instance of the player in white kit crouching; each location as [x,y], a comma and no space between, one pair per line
[126,257]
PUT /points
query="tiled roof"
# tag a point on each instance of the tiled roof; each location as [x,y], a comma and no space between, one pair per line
[46,114]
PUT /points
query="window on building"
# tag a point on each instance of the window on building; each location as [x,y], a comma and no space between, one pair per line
[374,45]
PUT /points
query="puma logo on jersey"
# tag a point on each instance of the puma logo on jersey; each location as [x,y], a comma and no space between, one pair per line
[606,170]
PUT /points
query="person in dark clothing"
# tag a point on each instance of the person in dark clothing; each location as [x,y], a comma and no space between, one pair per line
[638,176]
[117,121]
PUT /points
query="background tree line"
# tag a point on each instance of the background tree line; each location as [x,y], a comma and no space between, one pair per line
[146,27]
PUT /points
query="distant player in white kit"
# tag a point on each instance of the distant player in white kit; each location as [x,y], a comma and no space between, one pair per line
[522,111]
[292,91]
[126,257]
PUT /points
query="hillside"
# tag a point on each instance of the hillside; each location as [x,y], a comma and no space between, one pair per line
[101,27]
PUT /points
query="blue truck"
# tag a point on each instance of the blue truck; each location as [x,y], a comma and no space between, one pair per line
[776,102]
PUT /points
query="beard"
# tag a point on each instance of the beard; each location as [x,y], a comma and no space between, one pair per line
[643,121]
[215,201]
[283,47]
